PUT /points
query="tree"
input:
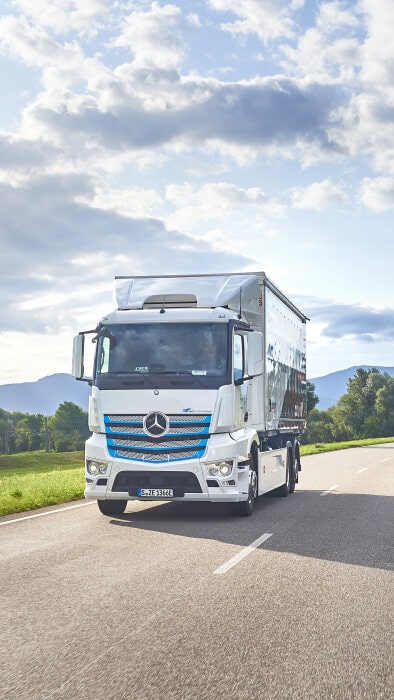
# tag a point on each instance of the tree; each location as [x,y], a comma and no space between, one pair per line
[311,398]
[69,427]
[29,433]
[366,410]
[384,406]
[3,429]
[319,427]
[358,404]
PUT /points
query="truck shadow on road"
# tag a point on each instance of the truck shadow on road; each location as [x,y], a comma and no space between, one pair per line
[350,528]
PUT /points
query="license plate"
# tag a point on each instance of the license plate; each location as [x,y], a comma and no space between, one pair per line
[156,493]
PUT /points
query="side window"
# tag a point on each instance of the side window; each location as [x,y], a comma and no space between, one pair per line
[103,355]
[239,356]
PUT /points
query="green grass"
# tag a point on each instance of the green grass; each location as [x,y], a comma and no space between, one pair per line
[32,480]
[331,446]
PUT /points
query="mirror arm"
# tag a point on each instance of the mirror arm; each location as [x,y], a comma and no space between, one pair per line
[241,380]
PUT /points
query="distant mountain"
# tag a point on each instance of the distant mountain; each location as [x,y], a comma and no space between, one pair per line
[44,395]
[331,387]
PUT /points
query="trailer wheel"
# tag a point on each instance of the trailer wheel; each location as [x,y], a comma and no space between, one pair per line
[285,489]
[293,478]
[245,508]
[297,457]
[293,472]
[112,507]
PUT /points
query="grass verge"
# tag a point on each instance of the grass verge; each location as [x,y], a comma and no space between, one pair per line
[331,446]
[35,479]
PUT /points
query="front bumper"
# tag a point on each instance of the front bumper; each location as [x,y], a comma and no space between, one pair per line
[189,479]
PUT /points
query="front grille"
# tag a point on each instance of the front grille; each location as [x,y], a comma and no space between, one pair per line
[160,445]
[180,482]
[186,438]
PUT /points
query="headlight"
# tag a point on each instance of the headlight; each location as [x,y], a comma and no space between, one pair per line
[94,467]
[223,468]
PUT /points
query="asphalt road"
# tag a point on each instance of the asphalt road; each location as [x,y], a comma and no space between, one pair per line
[152,605]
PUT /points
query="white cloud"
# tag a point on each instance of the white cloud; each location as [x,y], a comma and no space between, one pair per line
[365,126]
[153,37]
[220,194]
[134,202]
[31,44]
[221,204]
[318,196]
[377,194]
[378,48]
[330,50]
[64,15]
[268,20]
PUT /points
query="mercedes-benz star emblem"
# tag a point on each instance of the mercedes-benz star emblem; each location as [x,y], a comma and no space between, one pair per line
[156,424]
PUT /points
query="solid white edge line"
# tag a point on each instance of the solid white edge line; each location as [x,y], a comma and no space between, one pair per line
[332,488]
[242,554]
[49,512]
[360,471]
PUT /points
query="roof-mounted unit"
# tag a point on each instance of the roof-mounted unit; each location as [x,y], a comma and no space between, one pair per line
[170,301]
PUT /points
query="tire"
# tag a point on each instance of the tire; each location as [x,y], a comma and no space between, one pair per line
[112,507]
[293,472]
[297,458]
[285,489]
[293,478]
[245,508]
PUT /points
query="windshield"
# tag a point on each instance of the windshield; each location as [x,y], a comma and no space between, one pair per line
[198,349]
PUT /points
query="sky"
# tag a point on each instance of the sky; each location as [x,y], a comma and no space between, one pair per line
[151,138]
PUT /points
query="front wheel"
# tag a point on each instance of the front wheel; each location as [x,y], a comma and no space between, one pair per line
[112,507]
[245,508]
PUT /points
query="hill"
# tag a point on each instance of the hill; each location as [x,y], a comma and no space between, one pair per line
[44,395]
[331,387]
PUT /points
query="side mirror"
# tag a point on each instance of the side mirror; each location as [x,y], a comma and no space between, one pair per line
[77,361]
[78,358]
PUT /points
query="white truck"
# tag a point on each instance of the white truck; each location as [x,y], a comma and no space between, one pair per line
[198,392]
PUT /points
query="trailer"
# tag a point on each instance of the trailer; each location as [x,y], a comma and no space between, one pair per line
[198,392]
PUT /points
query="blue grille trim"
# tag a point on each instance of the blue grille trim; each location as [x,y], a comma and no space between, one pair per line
[145,458]
[158,448]
[114,433]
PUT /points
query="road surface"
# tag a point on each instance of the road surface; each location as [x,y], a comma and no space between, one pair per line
[177,601]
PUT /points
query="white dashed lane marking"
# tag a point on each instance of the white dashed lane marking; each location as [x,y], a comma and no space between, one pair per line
[242,554]
[330,490]
[48,512]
